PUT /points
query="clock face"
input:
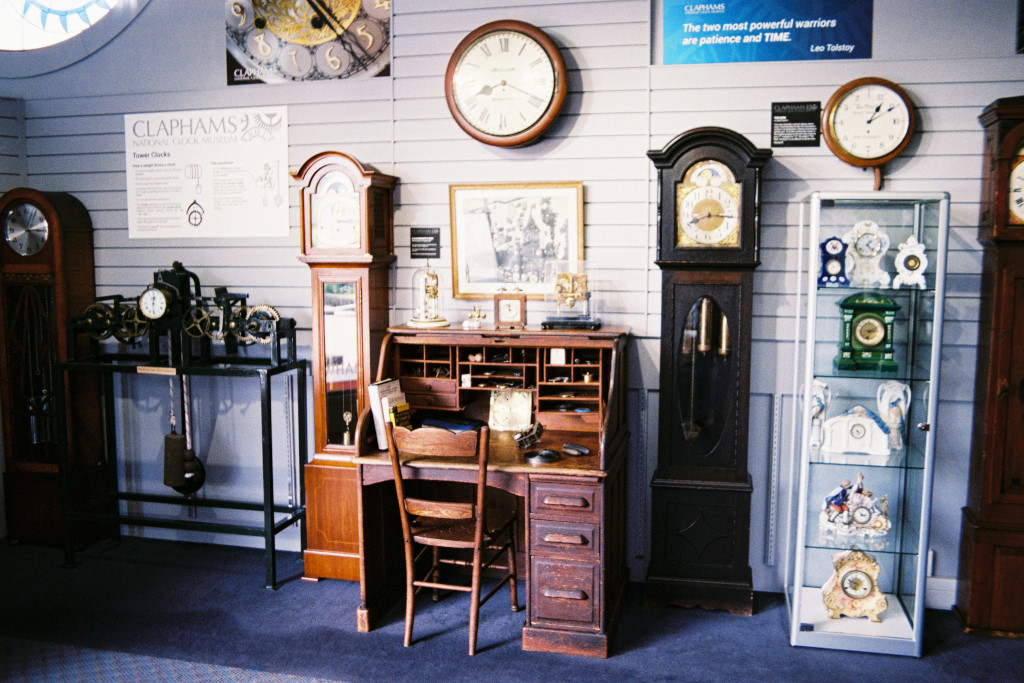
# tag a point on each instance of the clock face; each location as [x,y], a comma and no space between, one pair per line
[861,514]
[856,584]
[869,331]
[708,207]
[1016,193]
[868,121]
[868,244]
[508,311]
[275,41]
[505,85]
[833,267]
[25,228]
[334,212]
[153,303]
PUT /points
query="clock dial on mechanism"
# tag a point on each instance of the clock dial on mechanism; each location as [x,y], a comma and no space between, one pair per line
[154,302]
[868,122]
[25,228]
[275,41]
[709,206]
[505,83]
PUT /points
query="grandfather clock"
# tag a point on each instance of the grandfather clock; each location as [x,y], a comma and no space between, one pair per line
[348,243]
[46,276]
[989,590]
[709,196]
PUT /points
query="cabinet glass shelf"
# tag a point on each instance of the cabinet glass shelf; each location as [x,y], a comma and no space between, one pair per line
[866,380]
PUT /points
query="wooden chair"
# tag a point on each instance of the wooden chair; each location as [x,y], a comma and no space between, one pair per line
[438,524]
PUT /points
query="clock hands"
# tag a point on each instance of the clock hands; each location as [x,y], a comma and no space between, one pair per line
[877,112]
[698,219]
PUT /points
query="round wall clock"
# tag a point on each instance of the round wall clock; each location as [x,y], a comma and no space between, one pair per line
[275,41]
[868,122]
[505,83]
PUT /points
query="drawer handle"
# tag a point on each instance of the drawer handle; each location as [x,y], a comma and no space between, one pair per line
[569,539]
[565,501]
[564,593]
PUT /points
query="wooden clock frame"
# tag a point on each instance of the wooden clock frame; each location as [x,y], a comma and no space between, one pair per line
[989,590]
[362,271]
[58,283]
[701,489]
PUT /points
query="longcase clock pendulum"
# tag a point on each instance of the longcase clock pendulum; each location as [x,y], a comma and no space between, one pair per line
[709,195]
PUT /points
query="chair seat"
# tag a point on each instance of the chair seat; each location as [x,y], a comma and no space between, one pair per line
[458,533]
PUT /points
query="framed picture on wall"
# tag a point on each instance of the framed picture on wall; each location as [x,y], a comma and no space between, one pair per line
[512,235]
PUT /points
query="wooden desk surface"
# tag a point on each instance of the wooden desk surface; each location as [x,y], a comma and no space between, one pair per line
[505,456]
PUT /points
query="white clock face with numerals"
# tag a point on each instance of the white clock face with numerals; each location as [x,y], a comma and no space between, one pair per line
[871,121]
[1016,192]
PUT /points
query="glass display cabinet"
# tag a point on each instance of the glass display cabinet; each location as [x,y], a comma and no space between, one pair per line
[866,380]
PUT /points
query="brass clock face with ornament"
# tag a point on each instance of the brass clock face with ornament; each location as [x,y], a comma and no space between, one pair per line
[709,180]
[347,213]
[277,41]
[868,122]
[46,277]
[505,83]
[852,588]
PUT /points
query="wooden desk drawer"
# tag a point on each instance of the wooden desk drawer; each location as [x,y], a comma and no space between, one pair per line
[564,594]
[418,400]
[579,541]
[421,385]
[566,501]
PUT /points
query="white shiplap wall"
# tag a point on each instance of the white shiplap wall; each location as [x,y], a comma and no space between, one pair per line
[618,107]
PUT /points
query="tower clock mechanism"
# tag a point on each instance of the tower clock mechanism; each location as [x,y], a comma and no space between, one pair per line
[173,307]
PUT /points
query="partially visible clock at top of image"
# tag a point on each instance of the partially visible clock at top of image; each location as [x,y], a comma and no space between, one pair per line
[277,41]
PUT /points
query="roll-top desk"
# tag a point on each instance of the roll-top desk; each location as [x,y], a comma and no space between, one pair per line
[572,510]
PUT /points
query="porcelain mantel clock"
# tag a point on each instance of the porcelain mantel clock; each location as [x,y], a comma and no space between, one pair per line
[709,180]
[348,243]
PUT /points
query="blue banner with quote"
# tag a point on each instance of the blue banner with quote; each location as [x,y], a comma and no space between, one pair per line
[760,31]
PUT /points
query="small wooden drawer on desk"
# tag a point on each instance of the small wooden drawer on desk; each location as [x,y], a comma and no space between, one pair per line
[431,393]
[563,594]
[575,502]
[566,539]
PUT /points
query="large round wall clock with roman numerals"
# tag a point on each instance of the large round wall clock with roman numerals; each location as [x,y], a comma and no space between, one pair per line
[276,41]
[505,83]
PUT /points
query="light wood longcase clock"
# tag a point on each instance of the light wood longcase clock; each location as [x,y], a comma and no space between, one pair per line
[46,277]
[709,193]
[348,243]
[989,589]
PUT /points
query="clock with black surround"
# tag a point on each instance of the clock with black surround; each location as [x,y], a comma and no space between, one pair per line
[709,245]
[46,277]
[277,41]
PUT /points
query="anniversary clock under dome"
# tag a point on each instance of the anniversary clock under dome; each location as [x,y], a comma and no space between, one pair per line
[709,180]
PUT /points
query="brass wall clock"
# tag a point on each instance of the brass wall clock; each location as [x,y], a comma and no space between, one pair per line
[868,122]
[709,226]
[275,41]
[46,276]
[505,83]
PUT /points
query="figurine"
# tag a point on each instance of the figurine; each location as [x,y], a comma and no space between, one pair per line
[851,510]
[893,402]
[474,319]
[821,396]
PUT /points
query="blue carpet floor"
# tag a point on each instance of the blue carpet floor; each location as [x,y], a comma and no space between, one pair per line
[156,608]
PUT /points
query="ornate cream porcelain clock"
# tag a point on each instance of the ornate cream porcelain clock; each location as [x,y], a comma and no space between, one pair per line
[852,589]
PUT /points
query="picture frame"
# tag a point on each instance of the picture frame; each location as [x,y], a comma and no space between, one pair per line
[507,235]
[509,310]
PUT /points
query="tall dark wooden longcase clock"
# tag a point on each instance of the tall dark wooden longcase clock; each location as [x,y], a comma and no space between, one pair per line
[348,243]
[46,276]
[989,590]
[709,196]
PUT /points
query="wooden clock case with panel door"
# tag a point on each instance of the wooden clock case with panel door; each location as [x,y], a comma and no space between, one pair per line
[348,243]
[989,588]
[46,277]
[708,249]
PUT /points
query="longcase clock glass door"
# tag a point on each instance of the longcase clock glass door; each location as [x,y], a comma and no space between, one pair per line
[341,360]
[703,376]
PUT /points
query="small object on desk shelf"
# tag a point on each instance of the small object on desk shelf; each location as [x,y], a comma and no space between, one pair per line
[541,457]
[529,436]
[581,409]
[575,449]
